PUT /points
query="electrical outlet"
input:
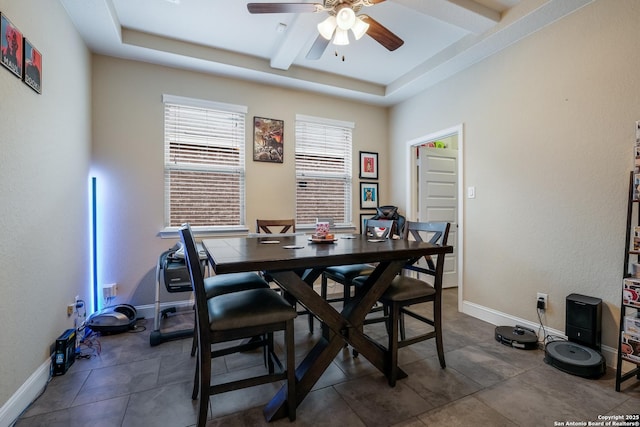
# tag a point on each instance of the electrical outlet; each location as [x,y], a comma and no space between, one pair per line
[541,301]
[110,291]
[70,309]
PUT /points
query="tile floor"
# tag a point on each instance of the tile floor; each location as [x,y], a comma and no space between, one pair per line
[485,384]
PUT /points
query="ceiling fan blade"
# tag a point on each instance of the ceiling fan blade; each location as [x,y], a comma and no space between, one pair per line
[318,48]
[283,7]
[381,34]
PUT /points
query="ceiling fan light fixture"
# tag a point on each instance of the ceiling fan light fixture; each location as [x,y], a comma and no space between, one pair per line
[359,28]
[341,38]
[327,27]
[345,18]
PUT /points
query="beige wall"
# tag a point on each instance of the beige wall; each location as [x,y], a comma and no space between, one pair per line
[549,126]
[128,158]
[548,136]
[44,163]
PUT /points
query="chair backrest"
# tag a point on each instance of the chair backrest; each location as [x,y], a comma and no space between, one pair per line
[436,232]
[264,225]
[192,260]
[391,212]
[378,228]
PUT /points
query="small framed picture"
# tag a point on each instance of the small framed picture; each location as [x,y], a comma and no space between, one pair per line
[268,140]
[32,66]
[11,45]
[368,165]
[369,195]
[363,218]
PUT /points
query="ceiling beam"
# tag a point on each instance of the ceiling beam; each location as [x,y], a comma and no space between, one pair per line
[295,38]
[466,14]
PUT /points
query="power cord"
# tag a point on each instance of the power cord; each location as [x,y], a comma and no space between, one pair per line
[140,326]
[546,338]
[78,322]
[90,345]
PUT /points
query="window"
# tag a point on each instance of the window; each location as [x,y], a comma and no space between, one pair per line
[204,158]
[323,170]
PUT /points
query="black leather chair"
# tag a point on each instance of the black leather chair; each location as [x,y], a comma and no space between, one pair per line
[344,274]
[405,291]
[227,283]
[235,316]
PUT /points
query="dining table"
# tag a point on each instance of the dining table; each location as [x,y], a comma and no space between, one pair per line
[294,262]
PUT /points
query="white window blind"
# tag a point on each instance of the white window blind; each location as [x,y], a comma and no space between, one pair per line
[204,163]
[323,170]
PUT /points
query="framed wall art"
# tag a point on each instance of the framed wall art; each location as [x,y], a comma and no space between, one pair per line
[369,195]
[11,45]
[268,140]
[368,165]
[32,66]
[363,218]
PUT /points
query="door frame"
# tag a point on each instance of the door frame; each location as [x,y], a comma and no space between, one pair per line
[411,180]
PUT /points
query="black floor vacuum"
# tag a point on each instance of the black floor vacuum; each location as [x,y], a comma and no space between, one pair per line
[517,337]
[580,354]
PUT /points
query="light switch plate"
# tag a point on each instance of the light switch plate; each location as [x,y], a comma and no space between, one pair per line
[471,192]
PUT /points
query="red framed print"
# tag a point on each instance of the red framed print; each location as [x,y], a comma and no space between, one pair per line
[268,140]
[368,165]
[32,66]
[11,45]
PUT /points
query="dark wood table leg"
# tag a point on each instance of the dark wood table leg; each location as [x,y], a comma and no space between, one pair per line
[346,326]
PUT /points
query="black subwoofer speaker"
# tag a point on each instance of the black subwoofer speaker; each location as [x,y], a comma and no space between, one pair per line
[584,320]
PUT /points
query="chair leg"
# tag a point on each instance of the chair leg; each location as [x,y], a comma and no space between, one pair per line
[194,343]
[346,293]
[437,324]
[323,287]
[346,296]
[205,385]
[265,353]
[292,400]
[196,379]
[310,320]
[403,333]
[393,343]
[385,314]
[269,352]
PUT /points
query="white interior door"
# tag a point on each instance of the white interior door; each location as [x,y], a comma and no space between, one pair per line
[438,199]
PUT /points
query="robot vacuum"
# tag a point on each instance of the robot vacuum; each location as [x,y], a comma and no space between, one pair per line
[575,359]
[517,337]
[113,319]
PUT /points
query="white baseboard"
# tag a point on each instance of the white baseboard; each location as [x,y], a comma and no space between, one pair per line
[502,319]
[26,394]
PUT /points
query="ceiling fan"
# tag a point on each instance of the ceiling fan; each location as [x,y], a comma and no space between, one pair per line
[342,18]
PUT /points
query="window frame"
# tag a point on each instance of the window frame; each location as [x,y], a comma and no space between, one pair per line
[347,176]
[171,231]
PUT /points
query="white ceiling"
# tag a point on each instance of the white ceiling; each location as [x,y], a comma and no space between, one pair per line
[441,38]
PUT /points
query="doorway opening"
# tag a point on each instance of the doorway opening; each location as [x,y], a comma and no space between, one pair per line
[435,192]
